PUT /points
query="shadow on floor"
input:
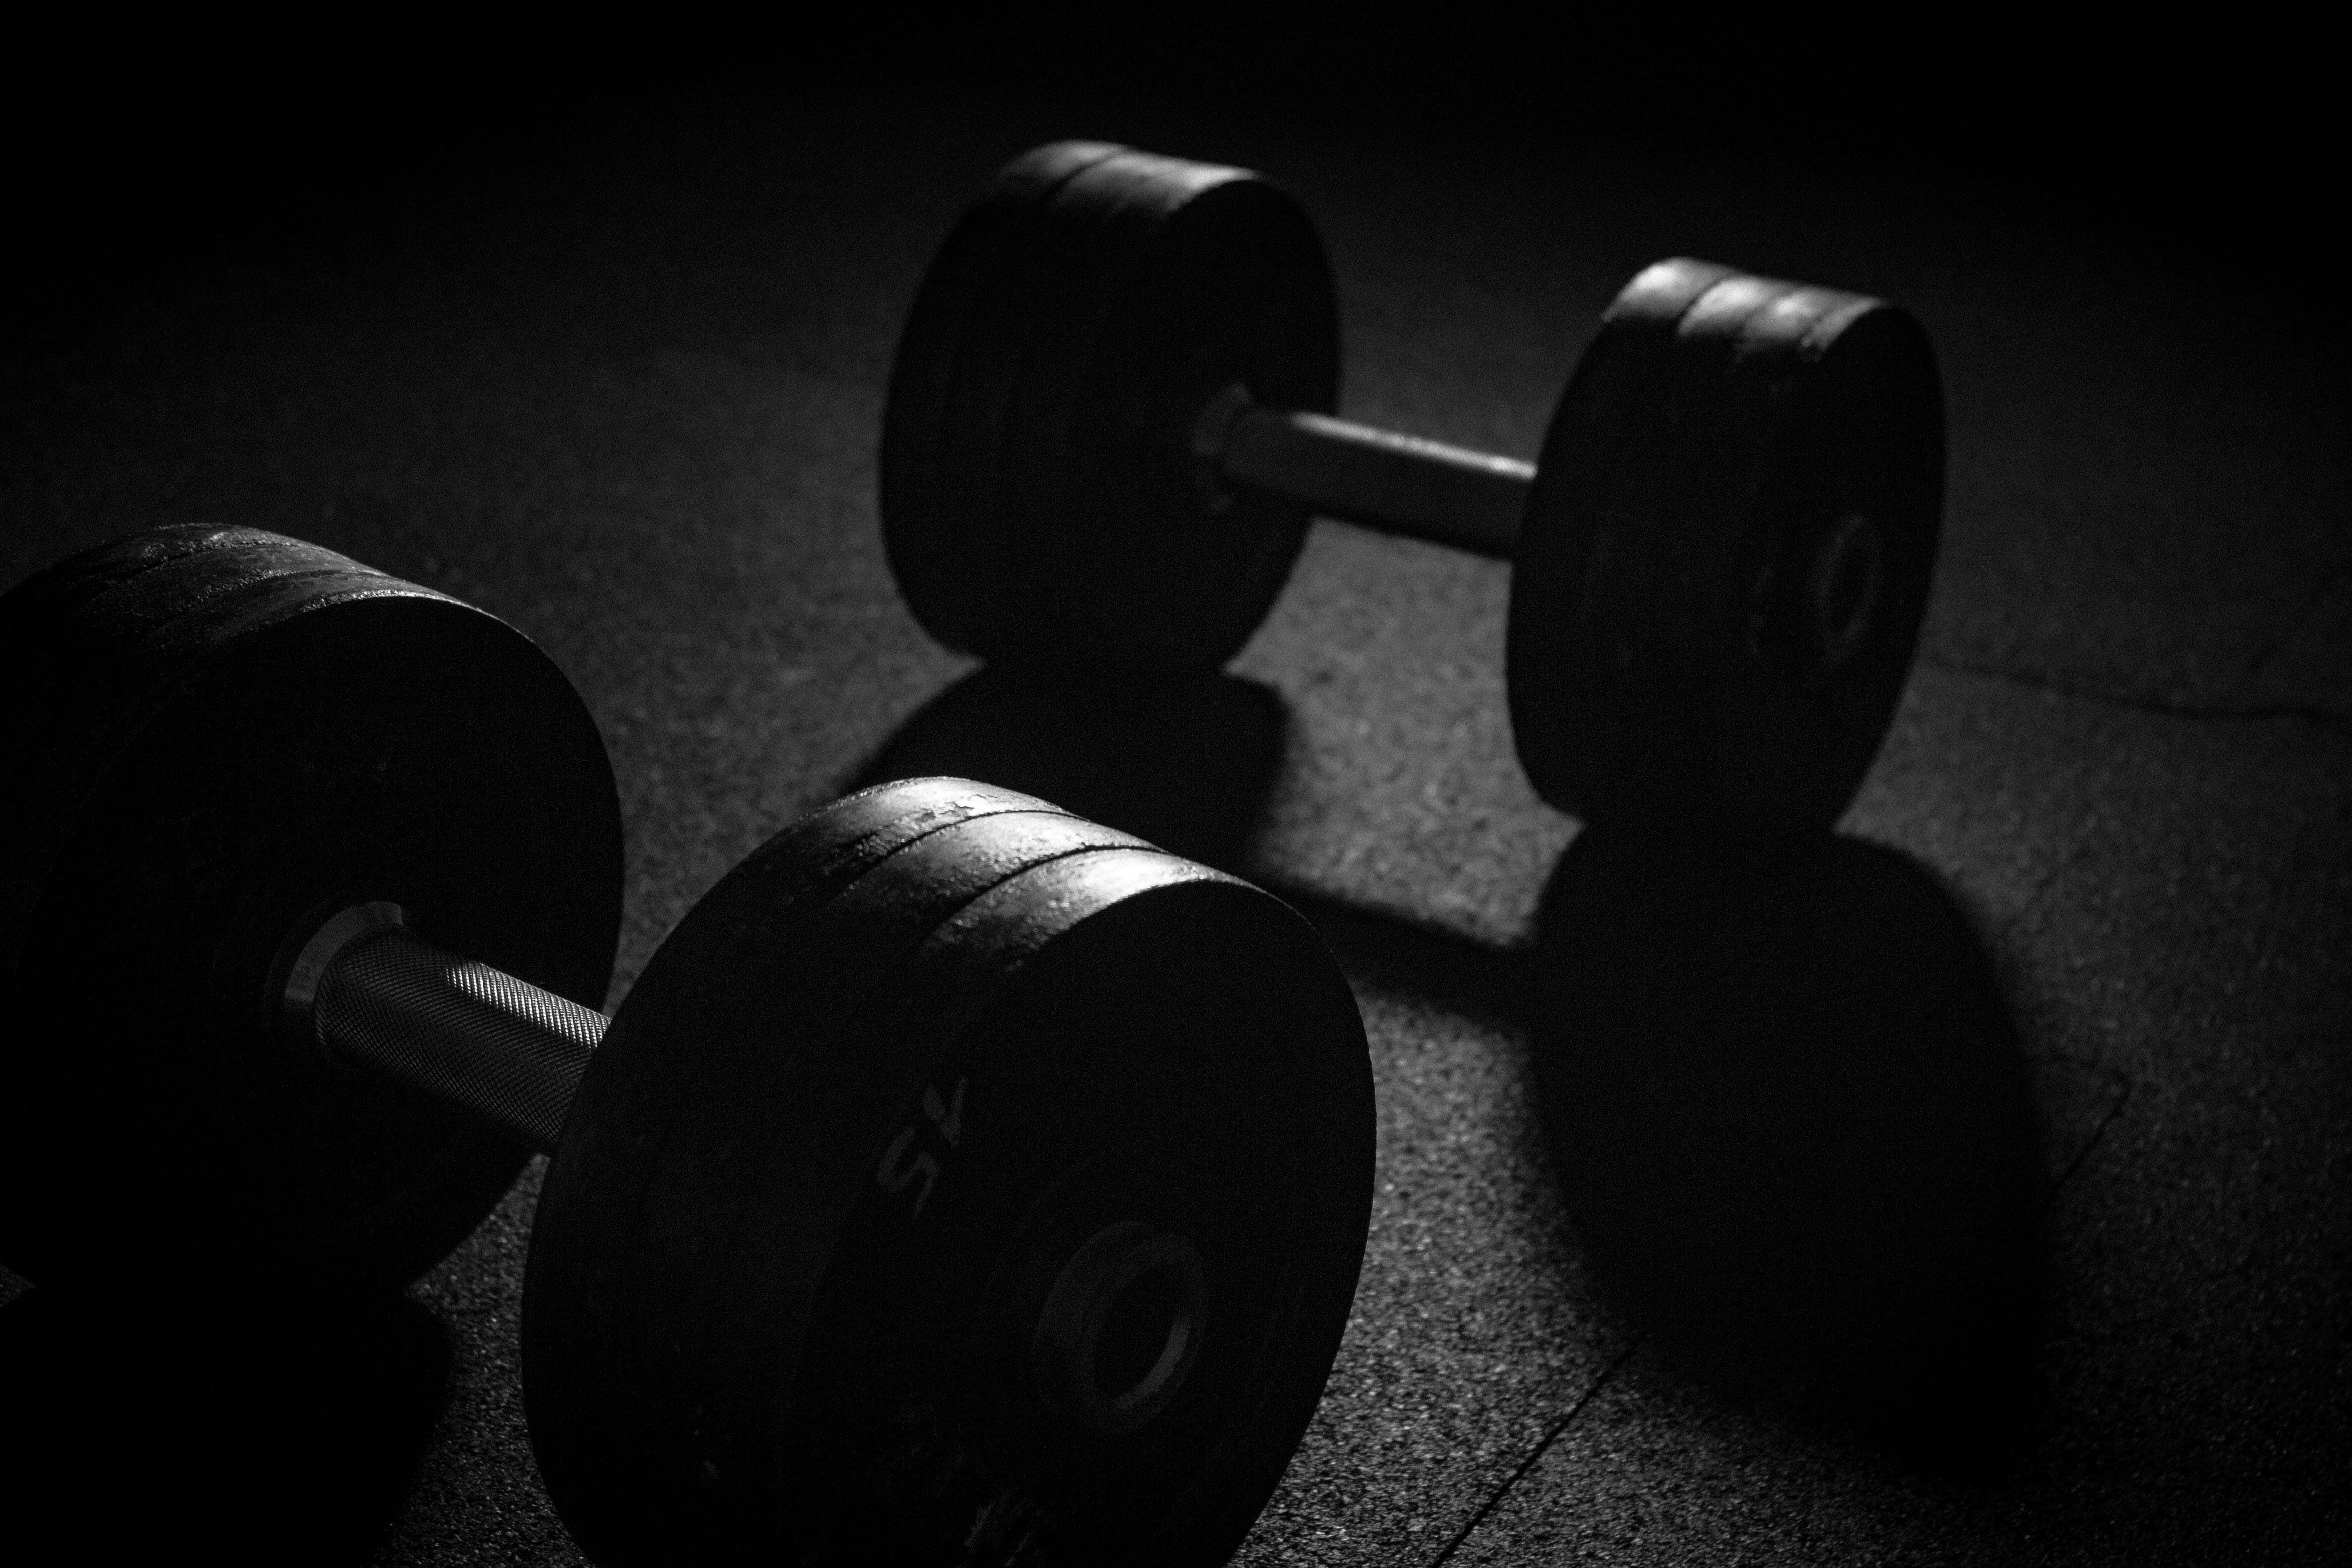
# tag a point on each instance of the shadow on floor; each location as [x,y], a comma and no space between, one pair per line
[1782,1089]
[1185,764]
[1794,1130]
[279,1431]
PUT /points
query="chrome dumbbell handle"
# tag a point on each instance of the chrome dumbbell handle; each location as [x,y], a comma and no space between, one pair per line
[372,995]
[1398,483]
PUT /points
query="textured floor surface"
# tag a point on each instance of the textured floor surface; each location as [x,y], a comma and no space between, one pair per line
[2082,954]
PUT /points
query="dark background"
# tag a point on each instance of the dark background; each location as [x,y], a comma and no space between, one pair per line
[1972,1188]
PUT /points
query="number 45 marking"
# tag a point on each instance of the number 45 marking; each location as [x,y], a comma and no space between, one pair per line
[903,1164]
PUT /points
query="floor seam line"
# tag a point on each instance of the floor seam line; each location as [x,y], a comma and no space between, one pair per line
[2098,1135]
[1542,1447]
[2307,713]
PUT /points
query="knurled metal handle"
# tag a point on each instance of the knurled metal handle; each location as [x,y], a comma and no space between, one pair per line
[1398,483]
[371,993]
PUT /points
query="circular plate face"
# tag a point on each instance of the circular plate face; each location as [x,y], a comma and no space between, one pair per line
[231,734]
[1728,553]
[960,1177]
[1040,497]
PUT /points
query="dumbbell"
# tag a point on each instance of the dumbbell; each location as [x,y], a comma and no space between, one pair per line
[958,1177]
[1111,416]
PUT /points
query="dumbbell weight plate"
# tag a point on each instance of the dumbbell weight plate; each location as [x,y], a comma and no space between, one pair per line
[1118,304]
[949,384]
[1664,661]
[222,732]
[839,1152]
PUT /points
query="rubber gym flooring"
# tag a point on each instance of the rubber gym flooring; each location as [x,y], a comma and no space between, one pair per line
[1973,1188]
